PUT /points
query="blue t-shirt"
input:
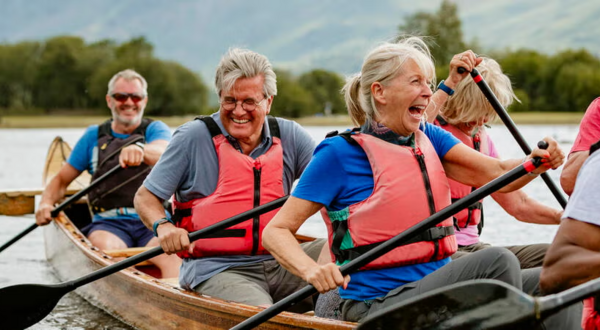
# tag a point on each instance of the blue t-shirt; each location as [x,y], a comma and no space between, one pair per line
[85,153]
[340,175]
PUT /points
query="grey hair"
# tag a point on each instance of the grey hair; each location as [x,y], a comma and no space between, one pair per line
[128,75]
[243,63]
[468,103]
[383,64]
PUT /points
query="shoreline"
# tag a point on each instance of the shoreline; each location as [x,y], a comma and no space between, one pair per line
[63,121]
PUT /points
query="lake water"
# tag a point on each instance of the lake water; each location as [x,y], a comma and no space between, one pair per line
[22,156]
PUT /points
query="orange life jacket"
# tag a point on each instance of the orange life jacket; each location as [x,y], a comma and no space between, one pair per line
[473,215]
[244,183]
[409,185]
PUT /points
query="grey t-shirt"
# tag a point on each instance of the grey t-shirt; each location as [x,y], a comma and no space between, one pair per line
[189,169]
[583,204]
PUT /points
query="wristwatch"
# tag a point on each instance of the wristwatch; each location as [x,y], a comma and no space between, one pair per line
[158,223]
[445,88]
[140,144]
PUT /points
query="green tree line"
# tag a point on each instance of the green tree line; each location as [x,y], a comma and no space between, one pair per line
[566,81]
[68,75]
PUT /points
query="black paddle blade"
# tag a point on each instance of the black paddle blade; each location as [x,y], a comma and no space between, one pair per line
[24,305]
[481,304]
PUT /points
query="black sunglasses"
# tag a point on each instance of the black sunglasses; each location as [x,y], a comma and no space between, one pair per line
[122,97]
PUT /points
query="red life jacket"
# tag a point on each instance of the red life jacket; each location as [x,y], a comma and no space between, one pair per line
[590,319]
[473,215]
[409,185]
[244,183]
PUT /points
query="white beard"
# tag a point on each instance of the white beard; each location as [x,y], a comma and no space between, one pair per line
[125,121]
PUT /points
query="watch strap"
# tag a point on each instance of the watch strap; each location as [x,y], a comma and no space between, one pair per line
[158,223]
[445,88]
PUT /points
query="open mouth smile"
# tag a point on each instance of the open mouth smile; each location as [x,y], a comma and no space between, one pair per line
[416,111]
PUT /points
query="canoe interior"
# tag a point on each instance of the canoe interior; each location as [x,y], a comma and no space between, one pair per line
[137,295]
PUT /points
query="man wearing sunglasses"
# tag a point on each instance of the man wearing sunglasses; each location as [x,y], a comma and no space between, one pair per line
[222,165]
[128,140]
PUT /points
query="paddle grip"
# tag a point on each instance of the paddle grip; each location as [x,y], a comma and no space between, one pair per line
[537,161]
[461,70]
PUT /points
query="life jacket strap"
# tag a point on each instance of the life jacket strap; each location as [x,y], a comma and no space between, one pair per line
[430,235]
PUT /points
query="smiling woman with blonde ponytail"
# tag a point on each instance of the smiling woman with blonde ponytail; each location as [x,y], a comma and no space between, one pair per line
[377,180]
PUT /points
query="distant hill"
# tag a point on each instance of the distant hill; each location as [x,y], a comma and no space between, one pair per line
[295,34]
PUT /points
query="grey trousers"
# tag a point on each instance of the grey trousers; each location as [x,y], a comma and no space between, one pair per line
[490,263]
[261,283]
[529,256]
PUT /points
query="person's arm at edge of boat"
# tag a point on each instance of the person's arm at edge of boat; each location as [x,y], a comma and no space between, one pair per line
[589,133]
[569,172]
[439,98]
[572,258]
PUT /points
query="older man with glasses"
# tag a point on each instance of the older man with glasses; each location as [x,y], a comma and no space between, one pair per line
[219,166]
[131,142]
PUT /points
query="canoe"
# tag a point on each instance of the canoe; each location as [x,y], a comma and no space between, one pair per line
[138,296]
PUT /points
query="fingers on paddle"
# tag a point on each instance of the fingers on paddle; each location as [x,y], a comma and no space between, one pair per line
[326,277]
[43,216]
[173,239]
[553,156]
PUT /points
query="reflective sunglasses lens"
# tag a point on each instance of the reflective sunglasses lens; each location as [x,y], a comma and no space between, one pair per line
[120,97]
[135,98]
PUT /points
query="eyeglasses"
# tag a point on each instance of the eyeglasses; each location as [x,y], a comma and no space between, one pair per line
[122,97]
[229,103]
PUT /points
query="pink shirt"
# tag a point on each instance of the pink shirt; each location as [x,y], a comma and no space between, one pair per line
[470,235]
[589,129]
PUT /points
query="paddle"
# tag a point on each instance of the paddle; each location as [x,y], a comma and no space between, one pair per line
[508,122]
[395,241]
[477,304]
[54,213]
[26,304]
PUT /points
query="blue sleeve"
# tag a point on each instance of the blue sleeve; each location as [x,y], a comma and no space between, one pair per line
[324,177]
[157,130]
[81,155]
[441,139]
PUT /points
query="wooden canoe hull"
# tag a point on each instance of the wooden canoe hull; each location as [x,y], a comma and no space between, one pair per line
[137,298]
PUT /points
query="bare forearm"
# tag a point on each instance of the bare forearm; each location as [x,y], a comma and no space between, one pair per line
[53,192]
[571,169]
[526,209]
[282,244]
[575,265]
[148,207]
[153,151]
